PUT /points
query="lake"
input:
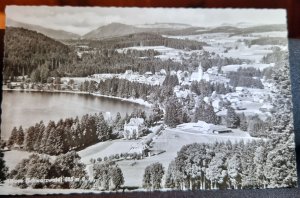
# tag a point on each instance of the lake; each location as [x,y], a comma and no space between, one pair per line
[28,108]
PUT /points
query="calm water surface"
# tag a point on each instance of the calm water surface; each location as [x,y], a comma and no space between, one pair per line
[28,108]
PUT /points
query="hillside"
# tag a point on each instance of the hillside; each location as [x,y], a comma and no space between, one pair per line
[165,25]
[118,29]
[112,30]
[238,29]
[146,39]
[55,34]
[26,50]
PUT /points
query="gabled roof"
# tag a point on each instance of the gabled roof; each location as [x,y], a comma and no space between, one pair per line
[135,122]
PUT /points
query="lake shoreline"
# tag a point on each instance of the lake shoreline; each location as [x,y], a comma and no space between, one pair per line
[132,100]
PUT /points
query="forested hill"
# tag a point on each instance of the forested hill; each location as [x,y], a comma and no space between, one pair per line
[27,51]
[52,33]
[232,30]
[118,29]
[112,30]
[146,39]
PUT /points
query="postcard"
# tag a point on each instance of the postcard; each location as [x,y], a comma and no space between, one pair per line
[105,99]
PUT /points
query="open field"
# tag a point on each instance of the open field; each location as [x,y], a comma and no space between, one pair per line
[171,140]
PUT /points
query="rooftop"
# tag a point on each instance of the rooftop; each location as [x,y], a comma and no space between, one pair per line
[135,121]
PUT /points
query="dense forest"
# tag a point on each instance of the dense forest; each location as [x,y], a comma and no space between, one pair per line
[33,54]
[27,50]
[146,39]
[246,77]
[266,41]
[127,89]
[232,30]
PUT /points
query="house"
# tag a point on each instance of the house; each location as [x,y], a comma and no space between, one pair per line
[163,72]
[151,152]
[149,73]
[134,128]
[219,129]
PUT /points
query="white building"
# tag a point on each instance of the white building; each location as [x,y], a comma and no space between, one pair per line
[148,73]
[197,76]
[203,127]
[134,128]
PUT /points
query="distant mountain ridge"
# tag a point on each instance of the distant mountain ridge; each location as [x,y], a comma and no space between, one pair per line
[165,25]
[112,30]
[119,29]
[54,34]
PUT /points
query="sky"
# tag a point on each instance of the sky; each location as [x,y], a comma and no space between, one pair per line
[81,20]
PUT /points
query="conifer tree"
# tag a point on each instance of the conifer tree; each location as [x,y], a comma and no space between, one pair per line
[30,139]
[3,168]
[13,137]
[174,114]
[20,136]
[232,119]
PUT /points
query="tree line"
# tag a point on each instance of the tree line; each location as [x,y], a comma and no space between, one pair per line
[205,88]
[33,54]
[41,167]
[146,39]
[63,136]
[233,165]
[246,77]
[129,89]
[74,133]
[106,175]
[111,61]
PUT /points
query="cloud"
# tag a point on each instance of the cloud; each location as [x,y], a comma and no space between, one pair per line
[81,20]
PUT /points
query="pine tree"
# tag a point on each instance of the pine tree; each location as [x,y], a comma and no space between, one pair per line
[39,130]
[243,122]
[232,119]
[260,161]
[173,115]
[199,112]
[13,137]
[102,129]
[216,171]
[157,113]
[20,136]
[234,168]
[3,168]
[30,139]
[210,115]
[43,144]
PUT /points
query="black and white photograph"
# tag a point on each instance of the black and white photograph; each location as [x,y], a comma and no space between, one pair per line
[107,99]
